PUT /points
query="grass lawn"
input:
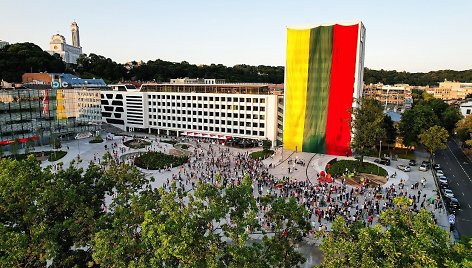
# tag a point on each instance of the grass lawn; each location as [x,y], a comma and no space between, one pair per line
[339,167]
[97,139]
[261,154]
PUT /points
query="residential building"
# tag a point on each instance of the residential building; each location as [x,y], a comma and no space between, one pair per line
[323,78]
[466,107]
[395,98]
[451,90]
[208,110]
[68,53]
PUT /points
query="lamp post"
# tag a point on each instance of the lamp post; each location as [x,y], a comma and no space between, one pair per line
[380,150]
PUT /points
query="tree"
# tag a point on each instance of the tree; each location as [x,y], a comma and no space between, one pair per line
[450,117]
[15,147]
[266,144]
[403,238]
[434,138]
[464,130]
[413,121]
[390,130]
[367,127]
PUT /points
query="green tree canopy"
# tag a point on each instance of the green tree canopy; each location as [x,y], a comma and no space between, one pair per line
[403,238]
[367,124]
[434,138]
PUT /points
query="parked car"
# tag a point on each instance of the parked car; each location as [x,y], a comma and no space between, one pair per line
[443,183]
[404,168]
[383,161]
[453,203]
[423,167]
[436,166]
[442,177]
[448,193]
[412,162]
[439,172]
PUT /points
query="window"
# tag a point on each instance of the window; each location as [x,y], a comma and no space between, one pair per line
[255,108]
[261,133]
[235,99]
[468,111]
[235,115]
[262,125]
[254,125]
[262,117]
[241,123]
[262,100]
[262,109]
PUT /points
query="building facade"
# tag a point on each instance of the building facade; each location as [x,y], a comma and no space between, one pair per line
[68,53]
[449,90]
[396,98]
[323,78]
[3,44]
[38,114]
[215,111]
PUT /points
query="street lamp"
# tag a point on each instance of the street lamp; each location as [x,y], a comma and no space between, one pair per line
[380,149]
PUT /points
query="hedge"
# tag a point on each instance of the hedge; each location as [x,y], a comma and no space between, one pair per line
[261,154]
[339,167]
[136,143]
[158,160]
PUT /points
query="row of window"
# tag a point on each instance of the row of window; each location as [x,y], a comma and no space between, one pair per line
[209,121]
[211,106]
[206,113]
[210,128]
[206,98]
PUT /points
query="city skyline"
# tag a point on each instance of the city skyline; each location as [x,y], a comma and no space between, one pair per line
[403,36]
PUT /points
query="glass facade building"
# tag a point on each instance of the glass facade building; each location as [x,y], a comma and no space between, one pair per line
[38,114]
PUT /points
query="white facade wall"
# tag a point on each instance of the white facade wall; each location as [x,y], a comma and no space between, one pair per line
[466,108]
[238,115]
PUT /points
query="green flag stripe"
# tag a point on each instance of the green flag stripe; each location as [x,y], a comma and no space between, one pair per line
[319,70]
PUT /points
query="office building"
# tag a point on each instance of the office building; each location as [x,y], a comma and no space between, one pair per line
[218,111]
[3,44]
[323,78]
[38,114]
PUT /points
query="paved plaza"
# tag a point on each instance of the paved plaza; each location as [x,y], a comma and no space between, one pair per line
[323,201]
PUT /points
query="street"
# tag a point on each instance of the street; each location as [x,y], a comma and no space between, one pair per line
[458,169]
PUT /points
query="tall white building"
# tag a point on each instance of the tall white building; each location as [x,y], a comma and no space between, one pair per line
[68,53]
[215,111]
[3,44]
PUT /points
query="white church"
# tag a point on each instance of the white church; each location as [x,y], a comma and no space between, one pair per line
[68,53]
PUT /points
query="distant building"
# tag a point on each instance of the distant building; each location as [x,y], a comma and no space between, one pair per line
[466,108]
[3,44]
[68,53]
[187,80]
[62,80]
[396,98]
[449,90]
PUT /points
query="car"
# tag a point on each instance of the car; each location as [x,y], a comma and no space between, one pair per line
[448,193]
[383,161]
[427,163]
[423,167]
[412,162]
[439,172]
[436,166]
[404,168]
[443,182]
[453,203]
[442,177]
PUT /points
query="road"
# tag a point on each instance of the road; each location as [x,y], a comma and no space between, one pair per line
[458,168]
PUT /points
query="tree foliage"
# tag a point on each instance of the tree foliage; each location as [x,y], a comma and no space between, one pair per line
[403,238]
[20,58]
[367,124]
[434,139]
[464,130]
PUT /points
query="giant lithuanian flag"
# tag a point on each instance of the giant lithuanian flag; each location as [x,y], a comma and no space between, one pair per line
[320,83]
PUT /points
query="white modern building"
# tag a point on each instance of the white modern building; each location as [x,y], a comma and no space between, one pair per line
[217,111]
[68,53]
[466,108]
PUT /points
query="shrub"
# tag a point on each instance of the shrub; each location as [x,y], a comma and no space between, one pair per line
[158,160]
[56,155]
[261,154]
[136,143]
[338,167]
[97,139]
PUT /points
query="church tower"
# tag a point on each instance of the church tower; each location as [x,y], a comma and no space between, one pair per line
[75,34]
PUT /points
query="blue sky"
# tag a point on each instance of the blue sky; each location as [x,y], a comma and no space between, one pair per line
[415,35]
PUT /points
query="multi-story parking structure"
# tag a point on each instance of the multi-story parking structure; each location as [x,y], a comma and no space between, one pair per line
[203,110]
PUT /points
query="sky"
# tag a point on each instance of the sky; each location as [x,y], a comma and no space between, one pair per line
[413,36]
